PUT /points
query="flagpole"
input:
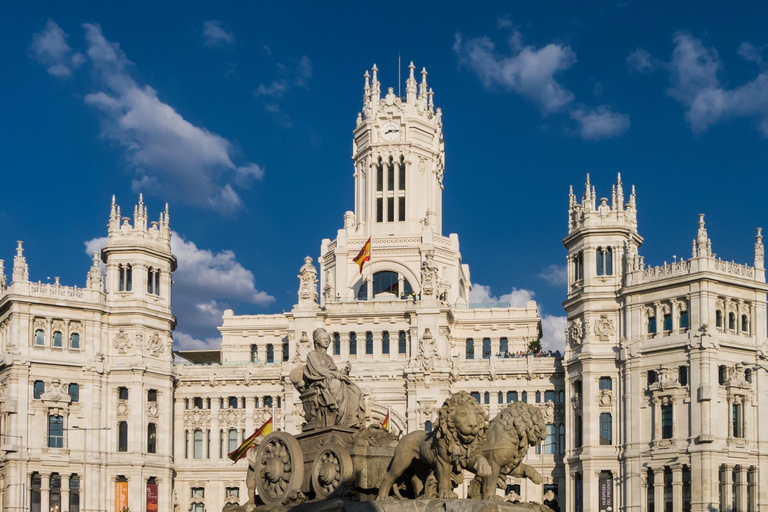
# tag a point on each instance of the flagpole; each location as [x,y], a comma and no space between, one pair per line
[273,416]
[389,418]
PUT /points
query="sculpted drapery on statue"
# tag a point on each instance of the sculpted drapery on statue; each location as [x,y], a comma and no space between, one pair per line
[329,397]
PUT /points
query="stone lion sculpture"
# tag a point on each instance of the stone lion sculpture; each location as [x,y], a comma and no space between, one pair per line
[434,461]
[516,428]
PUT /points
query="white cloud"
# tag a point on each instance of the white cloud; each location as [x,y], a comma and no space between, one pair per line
[528,71]
[642,61]
[169,154]
[50,48]
[695,84]
[183,341]
[204,284]
[294,74]
[553,336]
[517,298]
[600,123]
[215,35]
[554,274]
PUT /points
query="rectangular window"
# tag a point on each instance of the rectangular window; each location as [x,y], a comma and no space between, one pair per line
[385,342]
[34,495]
[55,431]
[232,440]
[549,395]
[74,392]
[198,492]
[352,343]
[486,348]
[470,352]
[475,395]
[550,443]
[254,354]
[379,177]
[503,346]
[39,337]
[738,423]
[74,340]
[122,393]
[122,436]
[74,493]
[369,342]
[606,429]
[270,354]
[401,344]
[38,389]
[151,438]
[605,383]
[401,208]
[57,339]
[336,344]
[232,492]
[379,209]
[511,396]
[152,395]
[267,401]
[666,421]
[577,432]
[198,402]
[401,181]
[286,352]
[186,444]
[682,375]
[391,176]
[390,209]
[197,451]
[561,439]
[232,402]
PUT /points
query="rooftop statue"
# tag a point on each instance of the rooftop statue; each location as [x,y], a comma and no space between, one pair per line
[328,396]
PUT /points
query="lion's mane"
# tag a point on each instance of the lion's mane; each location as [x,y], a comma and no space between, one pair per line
[521,419]
[446,428]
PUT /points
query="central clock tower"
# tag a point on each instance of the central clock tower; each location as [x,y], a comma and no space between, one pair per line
[399,163]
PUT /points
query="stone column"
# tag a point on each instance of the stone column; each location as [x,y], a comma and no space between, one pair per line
[752,489]
[45,492]
[726,489]
[659,318]
[677,487]
[658,489]
[741,490]
[674,310]
[64,493]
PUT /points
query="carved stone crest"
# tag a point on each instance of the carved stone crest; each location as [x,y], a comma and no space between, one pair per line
[154,344]
[576,332]
[428,355]
[606,398]
[604,328]
[122,341]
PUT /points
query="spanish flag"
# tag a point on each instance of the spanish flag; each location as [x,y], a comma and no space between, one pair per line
[364,255]
[385,423]
[249,443]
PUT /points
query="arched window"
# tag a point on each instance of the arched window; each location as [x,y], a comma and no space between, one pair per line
[386,282]
[74,392]
[684,320]
[402,345]
[486,348]
[34,495]
[525,397]
[385,342]
[606,429]
[74,493]
[151,438]
[470,351]
[336,344]
[718,318]
[122,436]
[270,353]
[668,500]
[501,397]
[126,278]
[538,397]
[401,191]
[744,324]
[57,339]
[732,321]
[428,426]
[561,396]
[652,325]
[379,176]
[511,396]
[650,494]
[600,262]
[352,343]
[667,322]
[549,395]
[609,261]
[369,342]
[475,395]
[486,398]
[40,337]
[74,340]
[379,191]
[38,389]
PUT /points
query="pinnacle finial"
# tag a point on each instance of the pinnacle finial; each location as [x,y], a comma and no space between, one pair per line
[411,68]
[141,199]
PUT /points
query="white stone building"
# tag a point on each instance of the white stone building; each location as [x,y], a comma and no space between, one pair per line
[661,413]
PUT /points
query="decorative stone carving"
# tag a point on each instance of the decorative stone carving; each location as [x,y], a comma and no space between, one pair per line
[604,328]
[576,332]
[302,348]
[428,355]
[197,419]
[152,410]
[122,341]
[429,274]
[606,398]
[307,282]
[154,344]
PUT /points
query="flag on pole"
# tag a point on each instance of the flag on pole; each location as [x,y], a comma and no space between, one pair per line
[385,423]
[364,255]
[249,443]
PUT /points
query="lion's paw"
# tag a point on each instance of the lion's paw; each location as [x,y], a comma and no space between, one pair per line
[448,495]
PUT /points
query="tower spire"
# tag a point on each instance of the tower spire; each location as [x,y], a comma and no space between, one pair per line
[410,85]
[20,267]
[759,250]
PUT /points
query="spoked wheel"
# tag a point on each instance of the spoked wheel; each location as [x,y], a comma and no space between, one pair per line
[279,468]
[332,471]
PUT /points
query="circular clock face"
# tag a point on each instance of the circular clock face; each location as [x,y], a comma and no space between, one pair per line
[390,131]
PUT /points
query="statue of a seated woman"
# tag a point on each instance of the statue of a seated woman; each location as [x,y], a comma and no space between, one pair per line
[339,400]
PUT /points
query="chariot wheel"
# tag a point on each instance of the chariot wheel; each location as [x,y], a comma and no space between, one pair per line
[332,471]
[279,468]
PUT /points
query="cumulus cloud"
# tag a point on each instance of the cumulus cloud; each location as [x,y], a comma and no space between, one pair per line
[204,285]
[600,123]
[554,274]
[183,341]
[50,48]
[532,73]
[527,70]
[553,336]
[694,83]
[642,61]
[517,298]
[215,35]
[292,74]
[169,155]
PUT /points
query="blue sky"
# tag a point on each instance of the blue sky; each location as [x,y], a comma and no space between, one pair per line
[239,114]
